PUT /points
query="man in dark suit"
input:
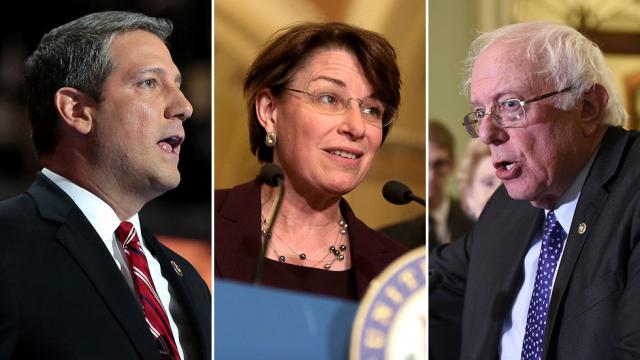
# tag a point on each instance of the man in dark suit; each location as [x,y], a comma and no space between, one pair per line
[551,268]
[80,278]
[447,219]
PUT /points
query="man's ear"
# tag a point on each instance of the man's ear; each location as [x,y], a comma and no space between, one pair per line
[594,102]
[266,110]
[74,108]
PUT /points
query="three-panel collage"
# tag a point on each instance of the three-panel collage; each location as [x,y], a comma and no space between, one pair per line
[320,179]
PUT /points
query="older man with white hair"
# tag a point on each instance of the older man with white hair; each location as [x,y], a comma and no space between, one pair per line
[551,269]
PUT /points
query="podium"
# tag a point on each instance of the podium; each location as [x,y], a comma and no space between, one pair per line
[258,322]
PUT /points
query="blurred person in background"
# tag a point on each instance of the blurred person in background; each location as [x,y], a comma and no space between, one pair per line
[476,178]
[447,219]
[411,233]
[321,99]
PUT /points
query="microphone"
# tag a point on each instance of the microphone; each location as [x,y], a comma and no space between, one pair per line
[272,175]
[398,193]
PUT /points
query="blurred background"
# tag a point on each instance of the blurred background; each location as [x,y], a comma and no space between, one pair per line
[613,24]
[180,218]
[241,29]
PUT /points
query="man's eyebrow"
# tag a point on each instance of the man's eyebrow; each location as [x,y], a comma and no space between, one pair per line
[161,72]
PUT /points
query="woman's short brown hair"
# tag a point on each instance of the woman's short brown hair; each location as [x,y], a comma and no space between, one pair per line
[292,46]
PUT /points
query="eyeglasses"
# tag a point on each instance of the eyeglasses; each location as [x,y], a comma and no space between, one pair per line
[374,112]
[506,114]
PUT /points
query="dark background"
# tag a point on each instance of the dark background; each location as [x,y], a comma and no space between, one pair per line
[183,212]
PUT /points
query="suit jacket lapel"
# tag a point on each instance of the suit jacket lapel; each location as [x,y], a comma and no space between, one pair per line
[514,274]
[238,259]
[592,198]
[502,284]
[82,242]
[182,292]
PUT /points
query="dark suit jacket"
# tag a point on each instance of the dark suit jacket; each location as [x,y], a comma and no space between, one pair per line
[238,244]
[62,295]
[411,233]
[457,221]
[594,312]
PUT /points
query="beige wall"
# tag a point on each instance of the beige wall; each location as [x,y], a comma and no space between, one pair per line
[241,29]
[450,32]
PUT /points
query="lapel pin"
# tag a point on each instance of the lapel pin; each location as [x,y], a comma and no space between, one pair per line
[176,268]
[582,228]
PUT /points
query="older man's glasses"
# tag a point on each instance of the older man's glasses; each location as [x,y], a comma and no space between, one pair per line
[507,113]
[374,112]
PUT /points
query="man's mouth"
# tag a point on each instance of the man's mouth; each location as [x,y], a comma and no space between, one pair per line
[171,144]
[506,165]
[507,170]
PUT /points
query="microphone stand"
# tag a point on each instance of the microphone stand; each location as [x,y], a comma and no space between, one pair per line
[417,199]
[266,232]
[398,193]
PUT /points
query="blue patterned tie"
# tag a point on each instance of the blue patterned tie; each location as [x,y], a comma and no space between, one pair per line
[552,240]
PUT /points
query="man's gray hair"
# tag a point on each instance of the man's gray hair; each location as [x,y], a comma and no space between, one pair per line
[563,56]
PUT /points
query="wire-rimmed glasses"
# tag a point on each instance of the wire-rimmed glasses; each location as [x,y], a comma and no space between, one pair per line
[507,113]
[373,111]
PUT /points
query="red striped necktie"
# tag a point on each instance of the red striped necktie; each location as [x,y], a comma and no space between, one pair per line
[149,299]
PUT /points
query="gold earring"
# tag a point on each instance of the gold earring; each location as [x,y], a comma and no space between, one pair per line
[270,139]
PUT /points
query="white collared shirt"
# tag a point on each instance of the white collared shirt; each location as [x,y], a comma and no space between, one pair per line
[513,327]
[440,218]
[105,221]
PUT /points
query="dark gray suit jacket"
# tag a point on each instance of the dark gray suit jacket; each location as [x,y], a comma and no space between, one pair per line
[594,311]
[458,223]
[62,295]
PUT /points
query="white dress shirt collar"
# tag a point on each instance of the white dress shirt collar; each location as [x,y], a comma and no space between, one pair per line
[440,217]
[101,216]
[566,206]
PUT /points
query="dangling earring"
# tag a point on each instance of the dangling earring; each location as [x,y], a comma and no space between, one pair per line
[270,139]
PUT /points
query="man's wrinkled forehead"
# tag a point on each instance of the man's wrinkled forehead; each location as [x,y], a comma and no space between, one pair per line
[503,68]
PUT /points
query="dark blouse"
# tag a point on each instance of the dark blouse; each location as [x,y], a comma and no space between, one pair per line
[318,281]
[237,249]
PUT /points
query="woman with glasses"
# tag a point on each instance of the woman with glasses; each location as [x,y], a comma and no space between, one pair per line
[321,100]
